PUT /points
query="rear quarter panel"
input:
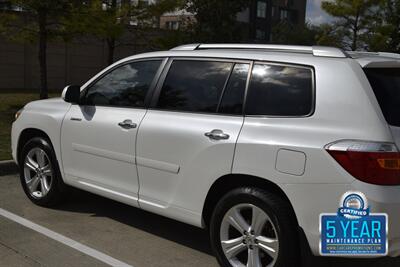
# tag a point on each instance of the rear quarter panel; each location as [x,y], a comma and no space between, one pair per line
[345,108]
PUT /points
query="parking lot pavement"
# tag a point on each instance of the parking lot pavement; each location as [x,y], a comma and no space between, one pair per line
[125,233]
[20,246]
[130,235]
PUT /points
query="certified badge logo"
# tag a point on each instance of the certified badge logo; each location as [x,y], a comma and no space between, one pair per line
[354,206]
[353,230]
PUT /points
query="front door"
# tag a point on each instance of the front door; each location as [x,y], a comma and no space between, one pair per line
[99,136]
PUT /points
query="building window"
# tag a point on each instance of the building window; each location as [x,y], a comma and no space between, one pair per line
[106,5]
[261,9]
[284,15]
[144,3]
[172,25]
[260,35]
[289,2]
[9,6]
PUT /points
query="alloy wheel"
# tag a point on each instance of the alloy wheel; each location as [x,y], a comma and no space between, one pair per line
[38,172]
[249,237]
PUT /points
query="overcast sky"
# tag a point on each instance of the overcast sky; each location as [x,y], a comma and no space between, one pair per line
[315,14]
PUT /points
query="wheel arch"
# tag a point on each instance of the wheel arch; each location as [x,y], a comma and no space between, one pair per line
[28,134]
[229,182]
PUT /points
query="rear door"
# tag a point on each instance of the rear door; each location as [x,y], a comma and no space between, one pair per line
[385,83]
[187,139]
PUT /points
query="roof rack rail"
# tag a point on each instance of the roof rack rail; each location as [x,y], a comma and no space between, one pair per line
[186,47]
[319,51]
[357,54]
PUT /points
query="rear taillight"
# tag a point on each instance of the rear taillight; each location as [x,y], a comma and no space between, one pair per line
[370,162]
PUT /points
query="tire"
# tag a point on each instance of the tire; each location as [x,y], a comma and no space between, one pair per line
[37,159]
[276,222]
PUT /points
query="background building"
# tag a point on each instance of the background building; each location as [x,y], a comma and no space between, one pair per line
[74,62]
[263,15]
[176,20]
[258,20]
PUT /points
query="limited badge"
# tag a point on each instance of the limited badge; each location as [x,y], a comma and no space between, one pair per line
[353,230]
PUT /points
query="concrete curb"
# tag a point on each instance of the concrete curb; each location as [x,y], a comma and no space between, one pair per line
[8,167]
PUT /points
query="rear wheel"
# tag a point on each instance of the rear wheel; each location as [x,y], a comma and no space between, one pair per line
[39,173]
[252,227]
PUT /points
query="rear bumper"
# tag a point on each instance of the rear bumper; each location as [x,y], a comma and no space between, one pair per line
[310,200]
[385,199]
[394,247]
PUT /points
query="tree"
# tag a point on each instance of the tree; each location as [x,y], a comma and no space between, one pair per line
[102,19]
[216,19]
[109,20]
[287,33]
[36,21]
[173,38]
[384,34]
[330,35]
[391,16]
[307,34]
[354,17]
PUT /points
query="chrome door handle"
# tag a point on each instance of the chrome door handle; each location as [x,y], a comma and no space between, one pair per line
[217,135]
[127,124]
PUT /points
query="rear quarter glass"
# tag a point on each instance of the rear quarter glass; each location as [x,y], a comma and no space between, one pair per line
[385,83]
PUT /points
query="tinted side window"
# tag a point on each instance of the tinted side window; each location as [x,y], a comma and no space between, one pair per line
[280,91]
[125,86]
[386,85]
[194,85]
[232,99]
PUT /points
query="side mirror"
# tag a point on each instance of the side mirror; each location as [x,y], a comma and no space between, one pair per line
[71,94]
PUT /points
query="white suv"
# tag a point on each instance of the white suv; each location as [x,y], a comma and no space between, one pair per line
[253,142]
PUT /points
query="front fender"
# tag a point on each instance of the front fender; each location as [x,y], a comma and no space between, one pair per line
[46,116]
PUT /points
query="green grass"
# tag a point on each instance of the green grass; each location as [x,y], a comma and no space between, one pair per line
[11,102]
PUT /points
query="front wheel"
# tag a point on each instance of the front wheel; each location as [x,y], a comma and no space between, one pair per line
[252,227]
[39,173]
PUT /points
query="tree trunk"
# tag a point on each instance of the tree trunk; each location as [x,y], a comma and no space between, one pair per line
[43,55]
[354,44]
[111,41]
[355,31]
[395,21]
[111,49]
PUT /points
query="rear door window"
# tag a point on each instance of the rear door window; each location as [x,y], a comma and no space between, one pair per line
[386,85]
[280,90]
